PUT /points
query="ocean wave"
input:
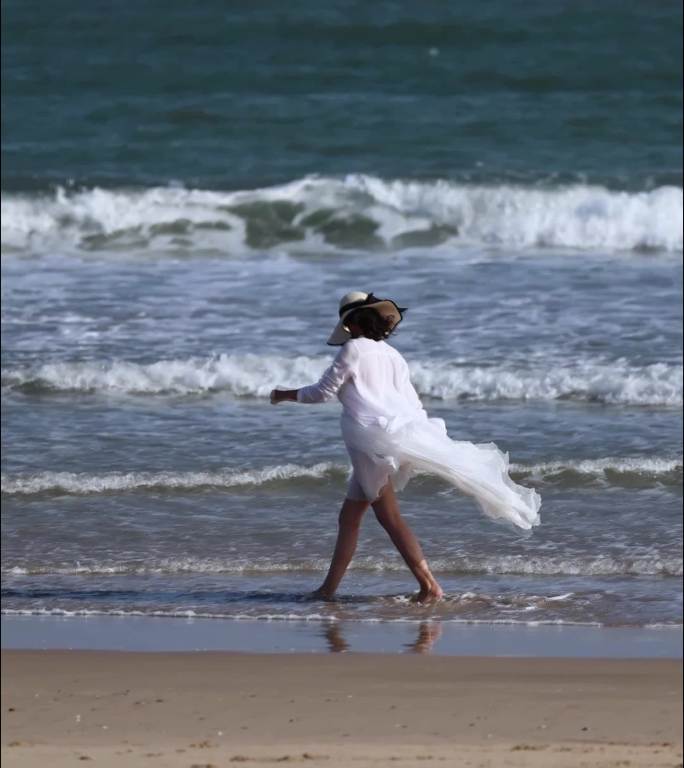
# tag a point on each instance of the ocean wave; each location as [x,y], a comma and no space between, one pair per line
[630,471]
[520,565]
[113,482]
[358,212]
[255,375]
[593,381]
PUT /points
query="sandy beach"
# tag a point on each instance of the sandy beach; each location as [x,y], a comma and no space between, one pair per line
[212,709]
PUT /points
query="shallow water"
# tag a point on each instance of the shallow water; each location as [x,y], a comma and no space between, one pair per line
[145,470]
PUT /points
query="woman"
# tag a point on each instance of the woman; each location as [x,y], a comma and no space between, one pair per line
[389,437]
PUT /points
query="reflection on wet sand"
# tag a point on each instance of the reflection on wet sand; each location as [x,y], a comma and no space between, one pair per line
[428,634]
[333,634]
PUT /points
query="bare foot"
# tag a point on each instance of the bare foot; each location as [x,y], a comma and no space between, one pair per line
[321,594]
[430,594]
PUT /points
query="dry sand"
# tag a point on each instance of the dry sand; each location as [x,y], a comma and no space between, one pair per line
[197,710]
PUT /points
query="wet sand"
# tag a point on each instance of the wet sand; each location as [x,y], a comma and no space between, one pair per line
[153,633]
[211,709]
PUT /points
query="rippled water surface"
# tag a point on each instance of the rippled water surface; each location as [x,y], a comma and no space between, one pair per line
[174,244]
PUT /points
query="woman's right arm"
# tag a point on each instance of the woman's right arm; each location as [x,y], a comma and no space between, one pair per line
[327,386]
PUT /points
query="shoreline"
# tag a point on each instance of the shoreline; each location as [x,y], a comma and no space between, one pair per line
[210,709]
[261,636]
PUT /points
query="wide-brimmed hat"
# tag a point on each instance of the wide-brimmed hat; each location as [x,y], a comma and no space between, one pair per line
[357,300]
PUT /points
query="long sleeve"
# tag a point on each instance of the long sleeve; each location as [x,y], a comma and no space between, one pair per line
[408,390]
[332,379]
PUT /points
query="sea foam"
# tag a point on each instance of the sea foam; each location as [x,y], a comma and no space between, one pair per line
[359,212]
[255,375]
[647,564]
[659,470]
[113,482]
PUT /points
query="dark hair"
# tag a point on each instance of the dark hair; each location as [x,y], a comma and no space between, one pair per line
[372,324]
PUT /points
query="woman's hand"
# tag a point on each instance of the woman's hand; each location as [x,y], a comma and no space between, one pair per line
[279,395]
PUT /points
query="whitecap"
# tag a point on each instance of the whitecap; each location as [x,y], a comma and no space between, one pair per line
[309,213]
[605,381]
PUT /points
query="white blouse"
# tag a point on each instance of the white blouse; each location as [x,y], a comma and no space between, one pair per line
[372,381]
[388,435]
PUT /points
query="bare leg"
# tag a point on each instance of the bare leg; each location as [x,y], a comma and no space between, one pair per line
[386,509]
[350,518]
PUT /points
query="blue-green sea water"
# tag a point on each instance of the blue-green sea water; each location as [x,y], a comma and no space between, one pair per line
[244,95]
[187,191]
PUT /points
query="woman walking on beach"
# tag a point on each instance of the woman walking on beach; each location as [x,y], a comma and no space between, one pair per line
[390,437]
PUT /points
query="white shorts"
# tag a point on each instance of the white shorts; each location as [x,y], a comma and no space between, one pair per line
[368,474]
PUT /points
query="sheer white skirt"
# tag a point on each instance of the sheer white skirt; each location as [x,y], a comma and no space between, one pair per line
[399,448]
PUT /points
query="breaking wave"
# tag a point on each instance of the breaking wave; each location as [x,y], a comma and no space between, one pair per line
[357,212]
[255,376]
[636,471]
[621,471]
[113,482]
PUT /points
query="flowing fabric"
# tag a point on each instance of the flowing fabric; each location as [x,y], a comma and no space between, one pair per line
[423,446]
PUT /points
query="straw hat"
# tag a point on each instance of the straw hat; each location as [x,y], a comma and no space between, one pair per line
[357,299]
